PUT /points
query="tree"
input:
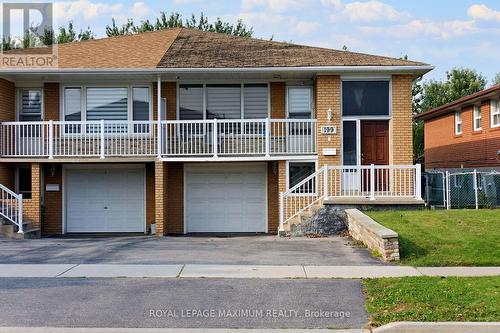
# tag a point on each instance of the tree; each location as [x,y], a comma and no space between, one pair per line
[459,82]
[66,35]
[174,20]
[496,79]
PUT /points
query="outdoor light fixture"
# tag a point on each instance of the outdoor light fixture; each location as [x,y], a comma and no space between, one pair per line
[275,168]
[52,170]
[329,114]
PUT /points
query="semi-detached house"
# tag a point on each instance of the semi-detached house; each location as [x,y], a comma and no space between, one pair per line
[195,131]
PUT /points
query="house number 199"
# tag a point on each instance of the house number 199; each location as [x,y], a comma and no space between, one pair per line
[328,129]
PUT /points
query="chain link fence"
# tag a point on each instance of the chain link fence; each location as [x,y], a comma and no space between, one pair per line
[468,189]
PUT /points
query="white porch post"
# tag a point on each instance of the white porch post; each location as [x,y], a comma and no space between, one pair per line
[102,138]
[372,182]
[325,182]
[215,139]
[268,137]
[158,111]
[418,181]
[20,214]
[282,212]
[51,139]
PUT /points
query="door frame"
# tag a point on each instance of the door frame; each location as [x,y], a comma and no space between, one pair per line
[184,196]
[67,167]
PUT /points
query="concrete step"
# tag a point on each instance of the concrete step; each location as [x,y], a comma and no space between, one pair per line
[10,231]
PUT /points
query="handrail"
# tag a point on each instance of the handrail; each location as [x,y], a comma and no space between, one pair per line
[11,207]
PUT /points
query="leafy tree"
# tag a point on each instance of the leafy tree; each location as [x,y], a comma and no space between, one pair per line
[66,35]
[459,82]
[496,79]
[174,20]
[48,38]
[86,34]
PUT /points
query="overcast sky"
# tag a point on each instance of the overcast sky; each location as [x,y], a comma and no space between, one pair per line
[444,33]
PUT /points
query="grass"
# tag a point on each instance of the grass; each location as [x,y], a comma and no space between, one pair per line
[433,299]
[445,237]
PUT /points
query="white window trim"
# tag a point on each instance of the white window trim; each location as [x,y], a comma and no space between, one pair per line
[494,112]
[204,84]
[475,117]
[83,98]
[311,93]
[19,102]
[287,176]
[457,115]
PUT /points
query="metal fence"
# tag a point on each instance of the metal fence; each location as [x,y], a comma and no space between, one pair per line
[468,189]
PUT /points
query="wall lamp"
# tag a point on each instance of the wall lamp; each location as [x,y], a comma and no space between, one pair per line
[329,114]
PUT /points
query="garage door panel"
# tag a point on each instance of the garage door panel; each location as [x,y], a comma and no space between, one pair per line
[105,200]
[226,198]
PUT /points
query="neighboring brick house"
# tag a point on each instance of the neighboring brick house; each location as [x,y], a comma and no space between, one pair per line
[464,134]
[241,128]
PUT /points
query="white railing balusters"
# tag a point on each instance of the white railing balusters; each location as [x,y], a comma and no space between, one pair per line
[11,207]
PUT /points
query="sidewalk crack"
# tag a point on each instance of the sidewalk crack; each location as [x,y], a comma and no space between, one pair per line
[304,269]
[58,275]
[180,272]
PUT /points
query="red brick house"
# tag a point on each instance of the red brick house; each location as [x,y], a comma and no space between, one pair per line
[201,132]
[464,133]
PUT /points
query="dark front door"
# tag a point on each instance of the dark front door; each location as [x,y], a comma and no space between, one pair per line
[375,150]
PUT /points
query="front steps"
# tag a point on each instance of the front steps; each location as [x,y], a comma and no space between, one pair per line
[8,230]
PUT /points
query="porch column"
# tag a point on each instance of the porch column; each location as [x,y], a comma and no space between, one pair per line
[160,197]
[158,114]
[281,187]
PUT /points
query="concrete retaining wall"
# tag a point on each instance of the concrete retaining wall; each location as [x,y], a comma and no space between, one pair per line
[375,236]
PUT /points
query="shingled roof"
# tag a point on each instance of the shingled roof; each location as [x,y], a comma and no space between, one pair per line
[192,48]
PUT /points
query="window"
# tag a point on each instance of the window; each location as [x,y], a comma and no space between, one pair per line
[349,143]
[224,101]
[191,102]
[495,113]
[458,122]
[23,181]
[72,104]
[477,118]
[107,103]
[297,172]
[255,101]
[299,103]
[140,105]
[30,106]
[365,98]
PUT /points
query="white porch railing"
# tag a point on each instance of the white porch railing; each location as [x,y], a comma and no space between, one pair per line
[361,181]
[11,207]
[179,138]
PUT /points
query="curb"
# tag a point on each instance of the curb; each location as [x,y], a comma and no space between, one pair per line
[438,327]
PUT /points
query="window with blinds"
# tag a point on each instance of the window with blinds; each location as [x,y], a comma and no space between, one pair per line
[224,101]
[255,101]
[31,105]
[107,103]
[299,102]
[190,102]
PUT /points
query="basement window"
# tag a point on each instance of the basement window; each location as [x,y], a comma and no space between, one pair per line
[23,181]
[298,172]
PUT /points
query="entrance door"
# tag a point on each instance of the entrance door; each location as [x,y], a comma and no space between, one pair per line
[375,150]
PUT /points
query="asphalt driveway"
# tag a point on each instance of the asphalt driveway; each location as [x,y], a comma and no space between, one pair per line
[248,250]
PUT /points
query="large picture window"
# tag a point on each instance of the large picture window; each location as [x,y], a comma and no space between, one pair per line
[365,98]
[107,103]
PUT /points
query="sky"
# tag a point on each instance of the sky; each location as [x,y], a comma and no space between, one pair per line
[443,33]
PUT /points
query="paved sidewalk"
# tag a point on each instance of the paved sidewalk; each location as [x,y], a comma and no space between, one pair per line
[235,271]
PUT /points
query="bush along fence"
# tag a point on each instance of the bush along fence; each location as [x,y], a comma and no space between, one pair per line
[468,189]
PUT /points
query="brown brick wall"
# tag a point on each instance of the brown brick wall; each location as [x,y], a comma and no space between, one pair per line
[471,149]
[51,101]
[278,100]
[168,91]
[161,174]
[273,197]
[52,217]
[175,198]
[400,132]
[31,207]
[150,196]
[328,97]
[7,175]
[7,100]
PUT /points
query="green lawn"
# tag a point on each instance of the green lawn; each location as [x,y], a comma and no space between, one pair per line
[433,299]
[445,237]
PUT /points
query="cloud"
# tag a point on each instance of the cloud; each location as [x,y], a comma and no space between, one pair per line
[276,6]
[419,28]
[483,12]
[276,22]
[88,10]
[335,3]
[369,11]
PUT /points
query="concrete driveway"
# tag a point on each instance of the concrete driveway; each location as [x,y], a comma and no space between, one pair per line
[249,250]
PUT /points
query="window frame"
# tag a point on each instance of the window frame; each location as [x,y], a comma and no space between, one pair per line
[287,177]
[16,180]
[19,101]
[475,117]
[205,96]
[365,78]
[493,113]
[287,99]
[457,115]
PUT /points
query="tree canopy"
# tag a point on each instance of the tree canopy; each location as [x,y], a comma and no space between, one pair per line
[496,79]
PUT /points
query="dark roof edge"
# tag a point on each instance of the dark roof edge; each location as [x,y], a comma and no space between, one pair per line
[452,106]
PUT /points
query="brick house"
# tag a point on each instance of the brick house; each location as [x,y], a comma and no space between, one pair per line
[194,131]
[464,134]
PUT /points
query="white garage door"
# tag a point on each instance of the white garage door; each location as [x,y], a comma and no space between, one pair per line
[105,200]
[226,198]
